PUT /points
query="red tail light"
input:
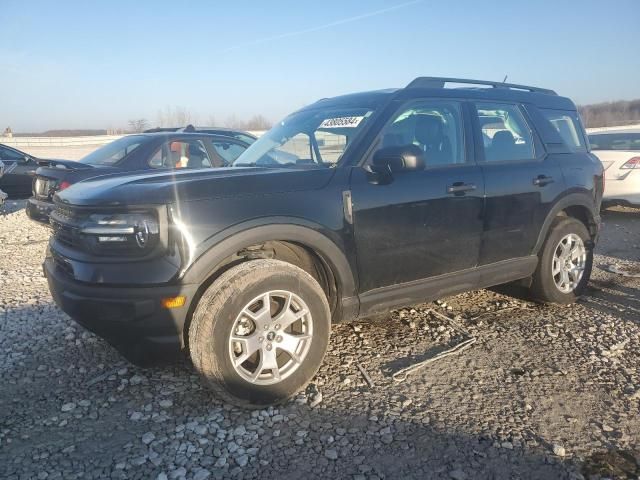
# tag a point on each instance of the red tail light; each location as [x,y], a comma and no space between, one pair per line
[632,163]
[64,184]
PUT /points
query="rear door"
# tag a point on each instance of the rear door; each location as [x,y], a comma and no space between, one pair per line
[423,223]
[521,181]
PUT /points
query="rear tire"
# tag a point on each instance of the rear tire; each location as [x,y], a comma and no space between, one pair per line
[565,262]
[253,355]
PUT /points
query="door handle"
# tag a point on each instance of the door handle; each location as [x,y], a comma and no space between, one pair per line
[460,187]
[542,180]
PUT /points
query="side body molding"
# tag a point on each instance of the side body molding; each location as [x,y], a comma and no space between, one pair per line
[233,239]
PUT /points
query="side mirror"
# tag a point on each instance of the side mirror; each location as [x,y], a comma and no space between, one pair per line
[25,159]
[397,159]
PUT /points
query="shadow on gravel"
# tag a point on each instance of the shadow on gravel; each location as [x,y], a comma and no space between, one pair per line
[614,297]
[115,403]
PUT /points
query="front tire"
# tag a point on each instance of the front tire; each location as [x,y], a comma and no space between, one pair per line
[259,333]
[565,262]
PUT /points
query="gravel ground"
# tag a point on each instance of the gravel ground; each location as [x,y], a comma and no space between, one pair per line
[544,392]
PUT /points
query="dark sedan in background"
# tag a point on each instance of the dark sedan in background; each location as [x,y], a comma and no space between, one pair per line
[19,168]
[145,151]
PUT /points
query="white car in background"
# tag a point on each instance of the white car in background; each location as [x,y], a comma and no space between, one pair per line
[619,152]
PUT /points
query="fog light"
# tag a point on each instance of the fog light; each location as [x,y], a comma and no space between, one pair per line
[174,302]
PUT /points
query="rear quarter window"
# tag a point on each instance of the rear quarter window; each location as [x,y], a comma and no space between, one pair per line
[568,126]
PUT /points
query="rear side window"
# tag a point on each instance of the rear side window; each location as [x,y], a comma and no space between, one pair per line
[567,124]
[505,133]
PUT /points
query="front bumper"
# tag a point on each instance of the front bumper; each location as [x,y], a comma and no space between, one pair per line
[39,210]
[130,319]
[3,197]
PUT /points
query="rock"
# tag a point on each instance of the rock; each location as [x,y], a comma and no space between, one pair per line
[331,454]
[135,416]
[166,403]
[315,399]
[458,474]
[202,474]
[242,460]
[162,476]
[148,437]
[559,450]
[67,407]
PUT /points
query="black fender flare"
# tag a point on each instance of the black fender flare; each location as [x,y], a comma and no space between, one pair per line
[571,200]
[242,235]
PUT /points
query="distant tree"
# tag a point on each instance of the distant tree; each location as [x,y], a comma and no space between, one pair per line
[257,122]
[610,114]
[232,122]
[141,124]
[174,117]
[138,126]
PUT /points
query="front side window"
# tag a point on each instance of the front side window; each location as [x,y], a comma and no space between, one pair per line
[113,152]
[313,137]
[435,127]
[505,133]
[567,124]
[181,154]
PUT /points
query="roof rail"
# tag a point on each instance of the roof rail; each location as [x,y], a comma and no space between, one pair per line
[439,82]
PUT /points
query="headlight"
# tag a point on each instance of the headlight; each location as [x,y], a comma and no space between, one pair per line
[121,231]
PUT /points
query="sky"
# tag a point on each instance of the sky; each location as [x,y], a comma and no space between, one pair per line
[86,64]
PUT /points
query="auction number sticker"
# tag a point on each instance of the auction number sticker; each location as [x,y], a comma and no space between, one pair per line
[341,122]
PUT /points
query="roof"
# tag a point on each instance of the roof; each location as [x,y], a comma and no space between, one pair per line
[472,89]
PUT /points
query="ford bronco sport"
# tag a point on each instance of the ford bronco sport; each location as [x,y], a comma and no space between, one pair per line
[350,206]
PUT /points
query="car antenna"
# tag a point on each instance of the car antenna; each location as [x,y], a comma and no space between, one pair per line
[505,79]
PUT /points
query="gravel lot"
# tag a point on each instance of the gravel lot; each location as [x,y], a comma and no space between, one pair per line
[545,392]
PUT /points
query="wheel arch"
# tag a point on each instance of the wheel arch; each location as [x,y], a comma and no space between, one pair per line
[576,205]
[303,245]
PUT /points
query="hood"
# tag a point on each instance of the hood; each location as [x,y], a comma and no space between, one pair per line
[126,189]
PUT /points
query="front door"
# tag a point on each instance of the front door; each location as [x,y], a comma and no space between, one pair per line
[425,223]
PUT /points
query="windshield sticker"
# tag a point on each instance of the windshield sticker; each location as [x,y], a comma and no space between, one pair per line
[341,122]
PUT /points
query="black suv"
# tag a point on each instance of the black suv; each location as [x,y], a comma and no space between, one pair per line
[353,205]
[173,149]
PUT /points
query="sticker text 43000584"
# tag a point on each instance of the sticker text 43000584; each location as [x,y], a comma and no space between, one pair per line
[341,122]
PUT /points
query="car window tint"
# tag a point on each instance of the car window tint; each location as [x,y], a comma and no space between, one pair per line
[181,154]
[296,149]
[505,133]
[568,126]
[331,145]
[8,154]
[435,127]
[113,152]
[228,151]
[615,141]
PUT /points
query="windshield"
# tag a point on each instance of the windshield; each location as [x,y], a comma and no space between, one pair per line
[317,137]
[615,141]
[113,152]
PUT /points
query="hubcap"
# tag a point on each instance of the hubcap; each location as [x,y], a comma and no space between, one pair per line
[271,337]
[569,260]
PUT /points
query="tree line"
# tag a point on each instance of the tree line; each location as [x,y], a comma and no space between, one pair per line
[611,114]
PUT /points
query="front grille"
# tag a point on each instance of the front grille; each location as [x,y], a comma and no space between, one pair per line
[63,266]
[65,223]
